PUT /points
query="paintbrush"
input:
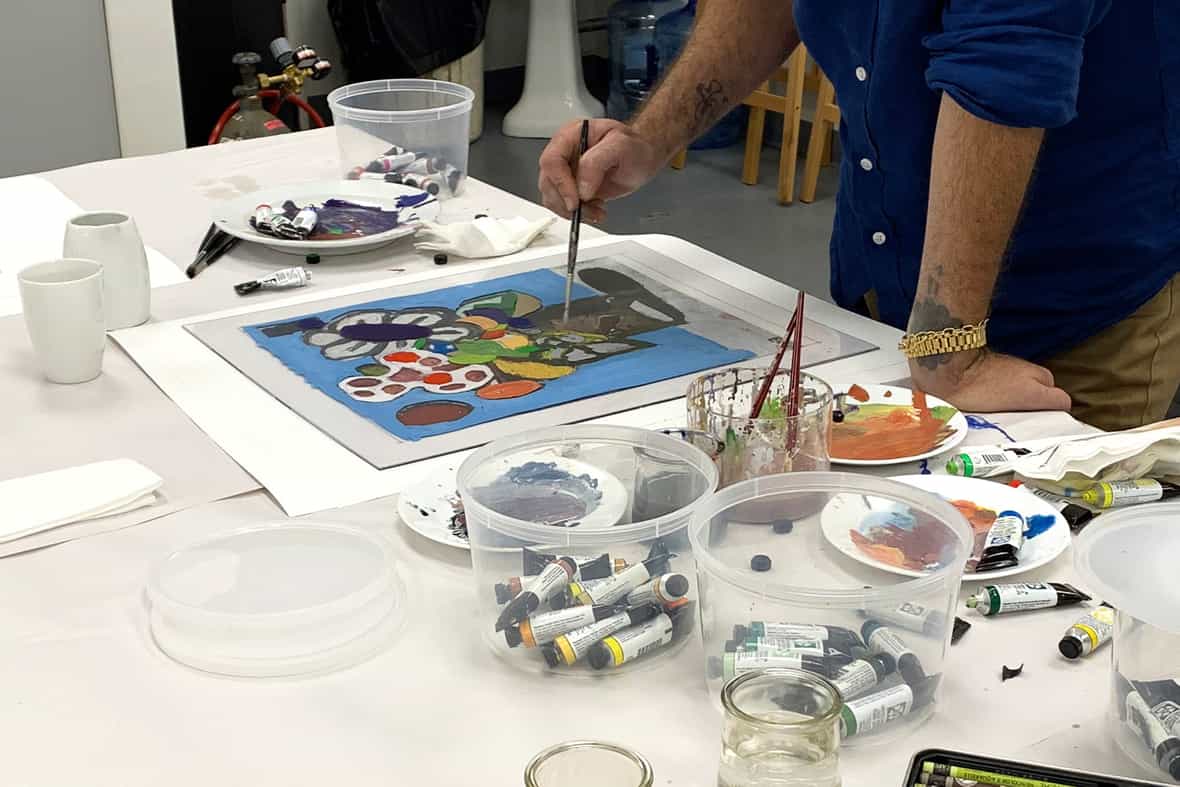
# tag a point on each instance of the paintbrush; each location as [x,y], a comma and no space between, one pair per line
[793,325]
[575,225]
[796,359]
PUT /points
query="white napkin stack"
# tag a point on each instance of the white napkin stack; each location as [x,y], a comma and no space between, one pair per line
[484,237]
[1117,456]
[36,503]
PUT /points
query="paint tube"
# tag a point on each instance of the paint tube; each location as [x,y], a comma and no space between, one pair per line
[943,775]
[632,643]
[984,462]
[533,562]
[551,580]
[1088,633]
[881,640]
[1076,516]
[571,646]
[397,150]
[1114,494]
[390,163]
[283,279]
[873,711]
[1163,698]
[1024,596]
[305,221]
[1162,743]
[452,175]
[538,629]
[663,590]
[863,675]
[262,218]
[431,184]
[741,662]
[912,617]
[843,639]
[422,165]
[1004,539]
[618,586]
[282,227]
[773,646]
[506,591]
[377,177]
[355,173]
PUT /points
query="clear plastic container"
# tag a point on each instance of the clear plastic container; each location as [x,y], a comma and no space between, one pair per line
[1131,560]
[277,600]
[380,123]
[577,534]
[820,602]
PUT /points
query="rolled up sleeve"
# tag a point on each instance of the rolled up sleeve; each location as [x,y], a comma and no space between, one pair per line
[1013,62]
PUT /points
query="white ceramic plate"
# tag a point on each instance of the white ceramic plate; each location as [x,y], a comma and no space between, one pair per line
[846,512]
[234,216]
[431,513]
[893,395]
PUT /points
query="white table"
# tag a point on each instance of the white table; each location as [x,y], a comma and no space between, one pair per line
[85,698]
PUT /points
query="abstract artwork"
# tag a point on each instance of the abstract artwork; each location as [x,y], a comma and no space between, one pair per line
[432,363]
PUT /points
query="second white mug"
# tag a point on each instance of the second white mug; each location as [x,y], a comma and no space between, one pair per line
[112,239]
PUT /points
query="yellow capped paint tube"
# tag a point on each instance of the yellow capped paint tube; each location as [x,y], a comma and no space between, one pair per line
[632,642]
[1088,633]
[568,648]
[1114,494]
[538,629]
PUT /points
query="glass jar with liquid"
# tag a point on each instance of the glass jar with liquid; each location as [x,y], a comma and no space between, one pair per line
[588,764]
[781,729]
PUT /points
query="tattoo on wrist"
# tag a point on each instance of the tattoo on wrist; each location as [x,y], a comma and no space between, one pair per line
[711,101]
[930,314]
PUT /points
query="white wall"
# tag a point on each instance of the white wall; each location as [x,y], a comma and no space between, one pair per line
[146,76]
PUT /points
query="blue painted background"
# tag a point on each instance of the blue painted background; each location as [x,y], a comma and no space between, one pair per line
[678,352]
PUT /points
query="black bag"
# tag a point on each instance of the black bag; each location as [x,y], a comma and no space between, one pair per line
[390,39]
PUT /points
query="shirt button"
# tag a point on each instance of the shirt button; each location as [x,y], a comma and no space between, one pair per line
[861,74]
[866,165]
[879,238]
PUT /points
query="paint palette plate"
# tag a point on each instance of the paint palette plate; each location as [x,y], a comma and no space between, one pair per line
[234,216]
[545,488]
[885,430]
[848,512]
[436,513]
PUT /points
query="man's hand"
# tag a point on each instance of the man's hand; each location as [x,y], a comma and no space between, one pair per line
[617,162]
[987,382]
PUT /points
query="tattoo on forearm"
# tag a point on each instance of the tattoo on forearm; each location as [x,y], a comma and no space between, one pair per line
[711,100]
[930,314]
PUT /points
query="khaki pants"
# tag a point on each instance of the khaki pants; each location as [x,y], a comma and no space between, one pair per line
[1127,375]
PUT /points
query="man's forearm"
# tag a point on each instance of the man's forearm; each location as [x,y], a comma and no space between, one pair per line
[979,175]
[734,46]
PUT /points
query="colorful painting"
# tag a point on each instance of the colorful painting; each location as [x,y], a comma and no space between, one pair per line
[872,430]
[433,363]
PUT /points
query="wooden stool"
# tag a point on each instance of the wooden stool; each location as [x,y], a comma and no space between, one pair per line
[793,74]
[819,146]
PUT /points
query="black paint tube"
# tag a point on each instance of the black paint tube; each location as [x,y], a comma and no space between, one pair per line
[588,568]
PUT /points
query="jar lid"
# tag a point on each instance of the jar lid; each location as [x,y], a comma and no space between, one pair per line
[1131,558]
[279,599]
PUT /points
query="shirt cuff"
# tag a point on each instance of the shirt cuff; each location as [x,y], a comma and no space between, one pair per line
[1014,75]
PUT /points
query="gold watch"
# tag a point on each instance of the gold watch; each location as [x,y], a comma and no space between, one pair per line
[948,340]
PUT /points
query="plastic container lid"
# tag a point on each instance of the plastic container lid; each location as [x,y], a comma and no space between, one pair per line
[275,600]
[1131,559]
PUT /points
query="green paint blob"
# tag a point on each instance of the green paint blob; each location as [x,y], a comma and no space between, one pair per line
[372,370]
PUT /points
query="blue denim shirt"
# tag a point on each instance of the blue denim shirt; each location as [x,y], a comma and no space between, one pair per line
[1100,231]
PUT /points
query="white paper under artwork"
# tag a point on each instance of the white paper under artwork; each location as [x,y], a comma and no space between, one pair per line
[41,211]
[406,373]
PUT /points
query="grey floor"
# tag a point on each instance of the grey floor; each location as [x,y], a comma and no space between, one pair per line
[705,203]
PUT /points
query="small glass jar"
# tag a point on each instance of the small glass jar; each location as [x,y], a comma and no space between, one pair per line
[588,764]
[781,727]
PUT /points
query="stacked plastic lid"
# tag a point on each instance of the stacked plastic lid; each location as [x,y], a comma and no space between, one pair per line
[277,600]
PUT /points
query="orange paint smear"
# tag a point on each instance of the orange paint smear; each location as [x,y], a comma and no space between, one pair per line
[915,549]
[509,390]
[858,393]
[902,431]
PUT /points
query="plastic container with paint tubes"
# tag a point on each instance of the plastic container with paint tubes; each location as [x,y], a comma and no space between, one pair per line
[582,564]
[820,609]
[415,127]
[1132,560]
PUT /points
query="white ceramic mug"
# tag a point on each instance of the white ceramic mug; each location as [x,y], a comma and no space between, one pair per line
[112,239]
[63,306]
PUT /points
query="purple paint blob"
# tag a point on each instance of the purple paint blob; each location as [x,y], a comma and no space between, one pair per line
[384,332]
[492,314]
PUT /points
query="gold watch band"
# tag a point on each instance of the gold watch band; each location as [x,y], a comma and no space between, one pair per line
[948,340]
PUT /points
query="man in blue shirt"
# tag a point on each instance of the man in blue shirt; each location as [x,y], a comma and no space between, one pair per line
[1017,160]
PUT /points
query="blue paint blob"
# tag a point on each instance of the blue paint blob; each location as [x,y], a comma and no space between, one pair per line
[520,322]
[384,332]
[1037,524]
[310,323]
[492,314]
[412,200]
[979,422]
[924,468]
